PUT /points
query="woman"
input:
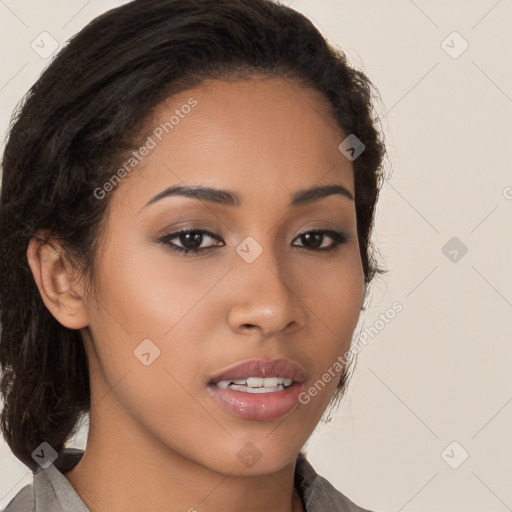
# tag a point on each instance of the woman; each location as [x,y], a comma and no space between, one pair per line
[187,202]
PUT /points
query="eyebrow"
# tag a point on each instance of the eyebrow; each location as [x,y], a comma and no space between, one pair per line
[228,198]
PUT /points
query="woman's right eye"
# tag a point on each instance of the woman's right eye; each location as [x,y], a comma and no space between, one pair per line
[190,238]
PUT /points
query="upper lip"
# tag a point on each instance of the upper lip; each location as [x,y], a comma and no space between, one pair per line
[262,368]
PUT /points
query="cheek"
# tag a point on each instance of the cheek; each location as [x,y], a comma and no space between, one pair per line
[334,288]
[147,339]
[145,294]
[334,297]
[149,290]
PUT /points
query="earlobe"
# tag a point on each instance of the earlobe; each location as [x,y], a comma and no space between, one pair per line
[54,278]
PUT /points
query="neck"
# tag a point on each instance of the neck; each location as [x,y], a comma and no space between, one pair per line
[133,472]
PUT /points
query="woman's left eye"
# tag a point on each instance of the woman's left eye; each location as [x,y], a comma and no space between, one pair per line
[315,237]
[191,240]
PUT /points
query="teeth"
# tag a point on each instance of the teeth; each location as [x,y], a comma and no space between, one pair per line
[256,384]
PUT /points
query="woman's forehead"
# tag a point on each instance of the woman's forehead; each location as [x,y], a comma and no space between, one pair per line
[264,135]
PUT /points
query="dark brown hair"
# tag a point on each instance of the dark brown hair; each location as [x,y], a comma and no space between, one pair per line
[73,129]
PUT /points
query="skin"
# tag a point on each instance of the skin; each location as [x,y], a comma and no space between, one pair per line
[157,440]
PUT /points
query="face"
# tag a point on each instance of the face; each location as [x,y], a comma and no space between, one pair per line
[271,280]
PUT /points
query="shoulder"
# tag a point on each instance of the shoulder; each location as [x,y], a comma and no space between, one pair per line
[49,489]
[318,494]
[23,501]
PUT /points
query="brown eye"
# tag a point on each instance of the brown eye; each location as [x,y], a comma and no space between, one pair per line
[313,239]
[190,239]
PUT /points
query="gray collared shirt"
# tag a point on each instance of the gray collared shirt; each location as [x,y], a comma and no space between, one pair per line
[52,492]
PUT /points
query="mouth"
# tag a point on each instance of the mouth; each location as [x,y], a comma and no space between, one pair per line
[258,389]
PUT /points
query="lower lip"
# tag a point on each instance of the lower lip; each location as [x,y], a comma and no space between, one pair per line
[261,407]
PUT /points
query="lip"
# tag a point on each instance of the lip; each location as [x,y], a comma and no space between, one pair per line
[262,368]
[255,406]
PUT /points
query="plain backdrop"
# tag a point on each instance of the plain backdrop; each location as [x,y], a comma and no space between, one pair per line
[427,419]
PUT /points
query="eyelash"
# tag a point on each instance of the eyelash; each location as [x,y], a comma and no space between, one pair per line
[339,238]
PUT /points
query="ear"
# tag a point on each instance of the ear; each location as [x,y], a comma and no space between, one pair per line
[54,276]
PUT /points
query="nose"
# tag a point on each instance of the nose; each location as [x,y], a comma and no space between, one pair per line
[266,297]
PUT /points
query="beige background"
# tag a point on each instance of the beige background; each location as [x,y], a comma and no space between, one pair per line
[440,371]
